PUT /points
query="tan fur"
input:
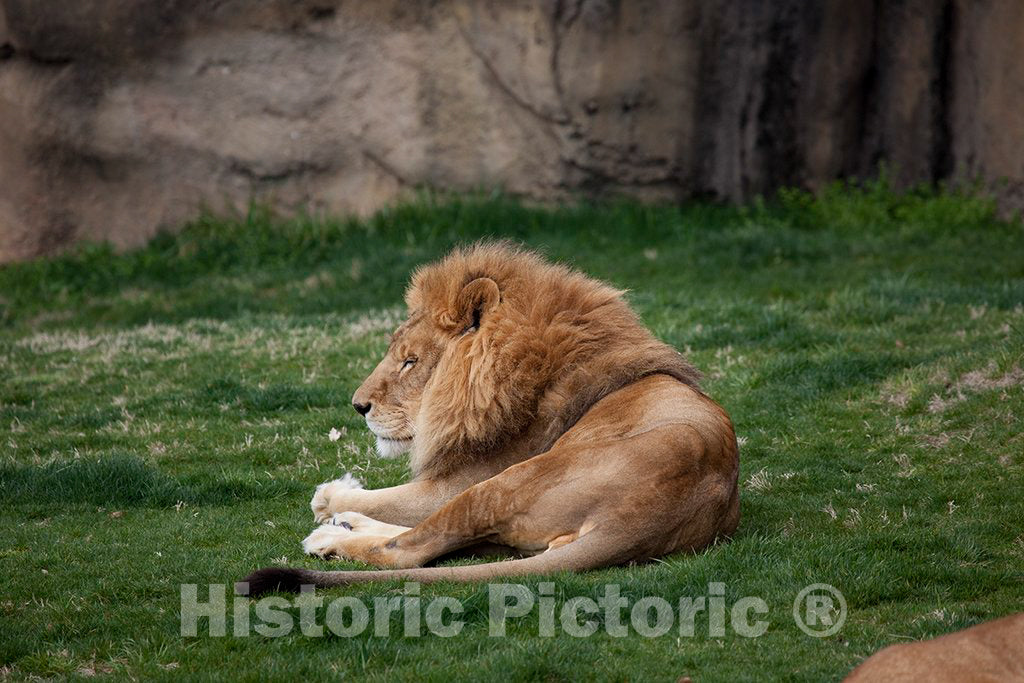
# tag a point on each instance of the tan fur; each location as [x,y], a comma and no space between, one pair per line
[989,652]
[541,415]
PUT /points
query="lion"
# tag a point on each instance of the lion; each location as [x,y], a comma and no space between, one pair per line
[991,651]
[539,416]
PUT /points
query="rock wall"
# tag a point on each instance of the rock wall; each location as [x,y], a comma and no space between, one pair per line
[121,117]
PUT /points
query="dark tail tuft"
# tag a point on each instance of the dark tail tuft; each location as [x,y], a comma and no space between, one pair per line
[274,579]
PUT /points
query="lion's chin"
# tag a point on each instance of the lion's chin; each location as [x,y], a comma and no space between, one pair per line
[390,448]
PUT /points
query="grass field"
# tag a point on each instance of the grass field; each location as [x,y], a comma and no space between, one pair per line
[165,417]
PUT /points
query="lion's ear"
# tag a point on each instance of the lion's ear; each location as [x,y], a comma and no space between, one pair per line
[477,298]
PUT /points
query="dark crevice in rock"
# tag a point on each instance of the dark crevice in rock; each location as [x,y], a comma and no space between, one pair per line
[499,82]
[386,167]
[870,102]
[46,60]
[562,20]
[277,174]
[73,162]
[777,144]
[708,106]
[941,94]
[321,13]
[598,183]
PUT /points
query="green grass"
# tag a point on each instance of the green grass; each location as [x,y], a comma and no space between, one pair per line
[165,416]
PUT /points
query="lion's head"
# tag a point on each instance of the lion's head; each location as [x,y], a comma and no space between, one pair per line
[495,340]
[391,398]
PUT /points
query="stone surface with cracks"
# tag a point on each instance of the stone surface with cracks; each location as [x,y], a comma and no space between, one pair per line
[121,117]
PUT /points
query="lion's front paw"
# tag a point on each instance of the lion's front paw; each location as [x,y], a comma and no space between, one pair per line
[321,503]
[353,521]
[361,524]
[326,541]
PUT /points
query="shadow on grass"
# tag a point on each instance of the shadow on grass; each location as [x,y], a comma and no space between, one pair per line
[127,481]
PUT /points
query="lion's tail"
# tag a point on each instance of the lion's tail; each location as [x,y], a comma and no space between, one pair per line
[590,551]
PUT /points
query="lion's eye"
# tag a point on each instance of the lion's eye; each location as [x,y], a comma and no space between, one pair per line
[409,362]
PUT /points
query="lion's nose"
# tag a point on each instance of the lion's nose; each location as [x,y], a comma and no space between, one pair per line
[361,408]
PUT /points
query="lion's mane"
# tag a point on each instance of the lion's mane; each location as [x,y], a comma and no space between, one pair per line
[554,344]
